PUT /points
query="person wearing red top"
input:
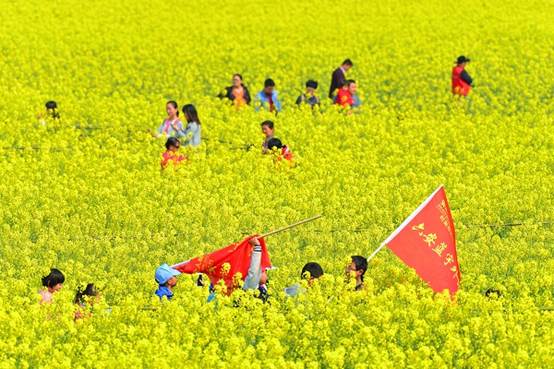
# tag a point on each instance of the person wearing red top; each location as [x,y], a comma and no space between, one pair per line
[461,80]
[284,151]
[344,97]
[171,155]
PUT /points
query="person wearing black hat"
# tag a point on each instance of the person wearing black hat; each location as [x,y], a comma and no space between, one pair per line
[309,97]
[461,81]
[339,77]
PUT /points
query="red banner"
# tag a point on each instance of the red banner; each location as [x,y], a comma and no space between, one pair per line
[426,241]
[226,263]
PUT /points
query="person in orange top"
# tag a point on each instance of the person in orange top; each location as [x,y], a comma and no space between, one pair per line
[344,97]
[461,80]
[237,93]
[171,155]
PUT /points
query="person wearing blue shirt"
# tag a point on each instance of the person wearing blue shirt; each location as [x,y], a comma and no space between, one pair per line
[268,97]
[165,277]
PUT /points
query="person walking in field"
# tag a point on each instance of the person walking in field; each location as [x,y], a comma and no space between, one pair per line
[171,156]
[339,77]
[268,98]
[309,97]
[165,277]
[193,130]
[461,80]
[172,125]
[256,278]
[268,129]
[357,268]
[52,283]
[353,89]
[271,142]
[237,92]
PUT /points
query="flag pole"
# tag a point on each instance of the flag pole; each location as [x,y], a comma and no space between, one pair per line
[376,251]
[286,228]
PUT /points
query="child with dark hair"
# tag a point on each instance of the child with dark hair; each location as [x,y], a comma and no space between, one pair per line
[50,113]
[309,96]
[52,283]
[192,132]
[237,93]
[82,297]
[344,97]
[357,268]
[171,155]
[268,97]
[310,272]
[172,125]
[275,144]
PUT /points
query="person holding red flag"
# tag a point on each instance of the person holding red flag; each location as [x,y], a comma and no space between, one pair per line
[461,80]
[231,264]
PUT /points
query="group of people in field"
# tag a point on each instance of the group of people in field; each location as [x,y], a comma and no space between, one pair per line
[257,279]
[166,278]
[342,91]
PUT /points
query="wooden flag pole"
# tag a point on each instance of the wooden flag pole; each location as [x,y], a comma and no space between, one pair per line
[286,228]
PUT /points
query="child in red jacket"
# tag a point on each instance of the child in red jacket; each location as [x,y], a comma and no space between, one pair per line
[171,155]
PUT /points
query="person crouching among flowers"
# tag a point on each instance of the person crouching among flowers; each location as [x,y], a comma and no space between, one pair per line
[171,155]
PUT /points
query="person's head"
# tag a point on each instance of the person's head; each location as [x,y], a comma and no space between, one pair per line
[358,266]
[462,60]
[237,80]
[352,86]
[267,128]
[311,87]
[165,276]
[347,64]
[51,105]
[191,114]
[311,271]
[172,144]
[274,143]
[54,280]
[89,291]
[51,109]
[172,109]
[345,85]
[269,86]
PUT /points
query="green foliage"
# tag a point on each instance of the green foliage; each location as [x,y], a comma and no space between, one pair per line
[85,194]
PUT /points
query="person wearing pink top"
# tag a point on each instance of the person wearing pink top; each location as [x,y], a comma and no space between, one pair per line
[52,283]
[172,125]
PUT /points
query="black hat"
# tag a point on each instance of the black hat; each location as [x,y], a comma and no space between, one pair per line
[462,59]
[311,83]
[51,105]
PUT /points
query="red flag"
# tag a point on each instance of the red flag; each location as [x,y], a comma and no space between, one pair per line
[224,264]
[426,241]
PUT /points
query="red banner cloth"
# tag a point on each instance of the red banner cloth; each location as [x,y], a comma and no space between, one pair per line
[426,241]
[224,264]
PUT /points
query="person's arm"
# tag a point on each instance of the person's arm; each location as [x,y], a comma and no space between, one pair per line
[466,77]
[160,130]
[299,100]
[255,270]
